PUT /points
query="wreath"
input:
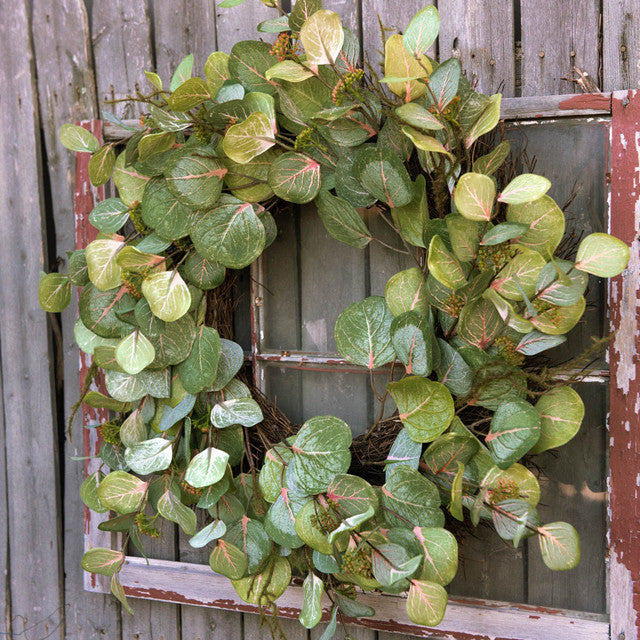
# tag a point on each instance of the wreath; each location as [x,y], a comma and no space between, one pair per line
[302,121]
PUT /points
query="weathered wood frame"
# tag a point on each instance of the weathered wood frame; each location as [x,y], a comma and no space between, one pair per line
[468,619]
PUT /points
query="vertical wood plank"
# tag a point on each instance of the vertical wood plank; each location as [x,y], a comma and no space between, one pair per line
[33,490]
[481,35]
[5,591]
[181,28]
[66,90]
[556,36]
[624,439]
[240,23]
[394,15]
[255,627]
[621,45]
[121,33]
[349,12]
[573,489]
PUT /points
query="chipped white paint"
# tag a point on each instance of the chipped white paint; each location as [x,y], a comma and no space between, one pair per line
[621,606]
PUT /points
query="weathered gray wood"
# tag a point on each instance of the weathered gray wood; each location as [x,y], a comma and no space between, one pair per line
[356,633]
[481,35]
[621,44]
[556,37]
[394,15]
[29,406]
[240,23]
[155,620]
[122,52]
[257,627]
[181,28]
[349,12]
[5,591]
[574,489]
[66,90]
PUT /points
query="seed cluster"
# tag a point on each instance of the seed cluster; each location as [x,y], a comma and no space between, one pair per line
[453,305]
[285,47]
[327,519]
[347,84]
[110,432]
[147,525]
[133,282]
[508,349]
[357,561]
[135,216]
[194,491]
[494,257]
[507,489]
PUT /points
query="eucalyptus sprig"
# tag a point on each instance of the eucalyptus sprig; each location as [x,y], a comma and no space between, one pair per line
[302,121]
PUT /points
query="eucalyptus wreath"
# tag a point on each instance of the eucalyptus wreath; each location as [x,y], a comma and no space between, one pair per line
[303,121]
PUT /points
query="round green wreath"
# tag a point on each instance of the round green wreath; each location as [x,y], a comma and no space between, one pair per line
[300,121]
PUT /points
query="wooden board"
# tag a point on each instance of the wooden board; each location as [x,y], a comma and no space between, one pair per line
[32,487]
[556,36]
[121,35]
[481,35]
[621,44]
[240,23]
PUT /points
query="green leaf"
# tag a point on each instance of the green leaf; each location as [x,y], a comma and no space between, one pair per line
[244,411]
[350,523]
[230,362]
[426,603]
[170,508]
[464,236]
[216,71]
[492,161]
[487,120]
[425,407]
[288,70]
[199,370]
[384,176]
[78,139]
[272,473]
[321,451]
[444,83]
[440,550]
[524,188]
[227,560]
[154,143]
[443,456]
[322,37]
[515,428]
[101,165]
[330,630]
[402,71]
[410,500]
[536,342]
[559,320]
[249,181]
[248,535]
[212,531]
[362,333]
[474,196]
[602,255]
[411,219]
[249,138]
[167,294]
[280,521]
[302,11]
[249,62]
[503,232]
[561,413]
[173,341]
[405,451]
[162,211]
[560,546]
[444,266]
[310,530]
[168,121]
[130,182]
[391,563]
[118,591]
[231,233]
[132,259]
[267,586]
[189,94]
[312,590]
[154,79]
[183,72]
[77,268]
[519,275]
[514,520]
[109,215]
[422,31]
[453,372]
[551,287]
[124,387]
[479,323]
[295,178]
[206,467]
[98,400]
[226,4]
[106,562]
[412,338]
[406,291]
[274,25]
[195,180]
[352,495]
[133,429]
[455,503]
[104,271]
[89,492]
[342,220]
[149,456]
[546,224]
[134,352]
[424,142]
[54,292]
[122,492]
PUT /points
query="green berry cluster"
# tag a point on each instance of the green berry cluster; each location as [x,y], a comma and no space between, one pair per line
[494,257]
[133,282]
[327,519]
[506,489]
[110,432]
[147,525]
[136,218]
[508,349]
[348,83]
[285,47]
[194,491]
[453,305]
[357,561]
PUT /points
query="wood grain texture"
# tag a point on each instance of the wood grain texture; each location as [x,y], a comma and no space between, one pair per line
[29,406]
[5,587]
[181,28]
[240,23]
[121,34]
[556,37]
[349,12]
[621,44]
[66,90]
[481,35]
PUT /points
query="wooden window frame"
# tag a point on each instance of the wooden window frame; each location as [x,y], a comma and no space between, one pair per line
[466,619]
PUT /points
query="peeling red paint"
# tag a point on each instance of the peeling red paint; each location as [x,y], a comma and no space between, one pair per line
[596,101]
[624,424]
